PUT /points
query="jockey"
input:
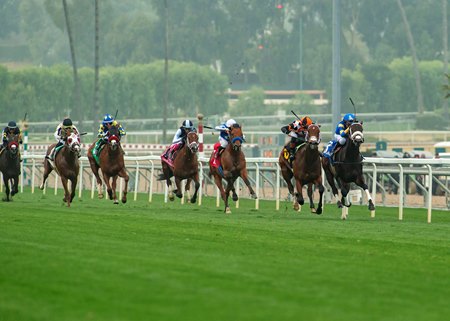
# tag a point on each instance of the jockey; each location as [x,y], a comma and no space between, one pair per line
[12,128]
[296,130]
[63,130]
[223,136]
[107,123]
[340,134]
[179,138]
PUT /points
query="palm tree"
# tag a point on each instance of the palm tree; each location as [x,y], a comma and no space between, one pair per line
[96,104]
[76,90]
[409,35]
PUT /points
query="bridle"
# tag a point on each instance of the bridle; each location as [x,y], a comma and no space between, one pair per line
[312,136]
[113,138]
[73,142]
[192,142]
[356,133]
[236,140]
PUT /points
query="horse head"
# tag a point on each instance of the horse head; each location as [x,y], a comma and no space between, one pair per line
[113,137]
[356,133]
[312,136]
[13,143]
[73,143]
[236,137]
[192,142]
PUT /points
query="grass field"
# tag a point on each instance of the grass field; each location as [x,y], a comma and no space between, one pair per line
[141,261]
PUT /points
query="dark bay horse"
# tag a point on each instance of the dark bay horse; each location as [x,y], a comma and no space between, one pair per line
[347,168]
[185,166]
[233,165]
[10,166]
[66,164]
[307,168]
[112,165]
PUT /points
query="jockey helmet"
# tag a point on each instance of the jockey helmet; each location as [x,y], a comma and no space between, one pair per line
[67,123]
[12,124]
[349,118]
[230,122]
[108,119]
[187,124]
[306,121]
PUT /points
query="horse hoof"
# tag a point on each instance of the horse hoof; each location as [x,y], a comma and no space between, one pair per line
[5,199]
[296,206]
[41,187]
[179,195]
[301,202]
[124,200]
[319,211]
[235,198]
[193,200]
[100,196]
[227,210]
[254,196]
[171,198]
[372,213]
[116,201]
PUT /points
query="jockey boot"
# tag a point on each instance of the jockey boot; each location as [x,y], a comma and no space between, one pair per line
[219,152]
[329,150]
[97,146]
[51,156]
[292,148]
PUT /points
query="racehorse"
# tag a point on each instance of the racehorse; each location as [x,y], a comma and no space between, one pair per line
[232,166]
[112,164]
[307,168]
[66,164]
[346,168]
[185,166]
[10,166]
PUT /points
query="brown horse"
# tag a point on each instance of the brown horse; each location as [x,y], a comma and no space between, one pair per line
[10,166]
[286,172]
[346,168]
[185,166]
[307,168]
[233,165]
[112,165]
[66,164]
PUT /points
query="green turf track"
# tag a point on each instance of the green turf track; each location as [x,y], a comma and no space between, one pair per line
[141,261]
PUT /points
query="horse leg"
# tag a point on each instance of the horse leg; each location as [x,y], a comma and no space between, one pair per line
[187,189]
[360,182]
[179,190]
[66,191]
[197,186]
[124,175]
[230,186]
[95,169]
[47,170]
[113,189]
[218,181]
[311,198]
[7,190]
[234,196]
[244,176]
[16,185]
[299,194]
[321,190]
[330,180]
[106,179]
[287,176]
[345,187]
[73,187]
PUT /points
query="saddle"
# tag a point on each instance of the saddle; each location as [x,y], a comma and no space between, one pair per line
[97,150]
[286,153]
